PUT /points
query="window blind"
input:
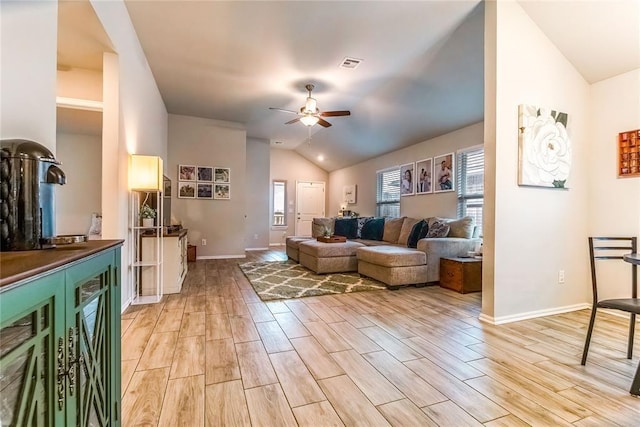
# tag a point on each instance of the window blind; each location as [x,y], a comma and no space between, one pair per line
[388,192]
[470,176]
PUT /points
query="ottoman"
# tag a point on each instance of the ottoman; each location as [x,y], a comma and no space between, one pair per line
[329,257]
[395,266]
[292,246]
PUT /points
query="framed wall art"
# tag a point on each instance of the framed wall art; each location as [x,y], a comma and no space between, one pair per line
[349,194]
[222,175]
[407,179]
[205,191]
[444,173]
[222,192]
[186,190]
[186,173]
[424,172]
[544,147]
[205,173]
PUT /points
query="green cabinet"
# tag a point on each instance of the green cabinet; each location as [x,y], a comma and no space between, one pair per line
[60,346]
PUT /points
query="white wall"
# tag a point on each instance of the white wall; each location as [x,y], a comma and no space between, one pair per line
[134,120]
[289,166]
[537,231]
[614,203]
[258,187]
[82,194]
[204,142]
[422,206]
[80,83]
[28,38]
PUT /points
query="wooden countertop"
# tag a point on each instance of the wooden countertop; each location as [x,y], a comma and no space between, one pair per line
[19,265]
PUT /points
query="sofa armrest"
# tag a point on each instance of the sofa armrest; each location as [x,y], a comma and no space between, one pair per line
[436,248]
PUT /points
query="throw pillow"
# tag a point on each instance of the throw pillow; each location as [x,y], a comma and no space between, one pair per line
[438,228]
[405,231]
[419,231]
[361,222]
[373,229]
[347,227]
[318,225]
[462,227]
[392,228]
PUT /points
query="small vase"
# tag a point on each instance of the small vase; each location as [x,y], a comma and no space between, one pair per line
[147,222]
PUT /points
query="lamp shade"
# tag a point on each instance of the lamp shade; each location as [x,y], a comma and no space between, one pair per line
[145,173]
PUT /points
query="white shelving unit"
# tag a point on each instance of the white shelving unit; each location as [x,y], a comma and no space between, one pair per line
[149,264]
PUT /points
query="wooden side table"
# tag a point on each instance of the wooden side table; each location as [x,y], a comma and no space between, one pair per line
[461,274]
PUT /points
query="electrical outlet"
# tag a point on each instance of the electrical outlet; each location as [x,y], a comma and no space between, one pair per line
[561,276]
[255,236]
[204,242]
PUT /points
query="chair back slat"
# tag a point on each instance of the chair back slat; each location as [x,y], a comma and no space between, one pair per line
[615,245]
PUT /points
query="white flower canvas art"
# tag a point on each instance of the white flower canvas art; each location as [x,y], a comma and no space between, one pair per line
[544,147]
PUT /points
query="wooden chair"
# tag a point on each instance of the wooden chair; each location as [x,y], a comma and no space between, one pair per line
[613,248]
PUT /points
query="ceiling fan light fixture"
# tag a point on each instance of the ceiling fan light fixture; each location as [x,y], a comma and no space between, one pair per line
[311,106]
[309,120]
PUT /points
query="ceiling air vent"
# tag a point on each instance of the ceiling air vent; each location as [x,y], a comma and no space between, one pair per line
[350,63]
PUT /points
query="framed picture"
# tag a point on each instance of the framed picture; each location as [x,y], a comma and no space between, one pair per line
[444,173]
[407,175]
[186,190]
[222,192]
[424,170]
[205,191]
[166,188]
[349,193]
[544,147]
[186,173]
[222,175]
[205,173]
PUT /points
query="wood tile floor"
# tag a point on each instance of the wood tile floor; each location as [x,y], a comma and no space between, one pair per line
[216,355]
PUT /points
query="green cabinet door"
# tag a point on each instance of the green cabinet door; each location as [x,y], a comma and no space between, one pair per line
[32,320]
[93,334]
[60,346]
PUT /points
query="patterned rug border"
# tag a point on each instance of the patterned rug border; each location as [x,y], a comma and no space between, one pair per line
[272,282]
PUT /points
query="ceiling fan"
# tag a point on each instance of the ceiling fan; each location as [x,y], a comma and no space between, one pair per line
[310,114]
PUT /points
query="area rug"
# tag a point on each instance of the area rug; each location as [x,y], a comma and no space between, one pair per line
[288,279]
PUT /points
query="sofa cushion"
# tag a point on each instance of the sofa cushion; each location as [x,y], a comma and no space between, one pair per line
[347,227]
[419,231]
[391,256]
[372,229]
[392,228]
[438,228]
[328,250]
[405,231]
[319,224]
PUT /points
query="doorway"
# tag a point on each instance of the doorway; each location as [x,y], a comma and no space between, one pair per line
[309,204]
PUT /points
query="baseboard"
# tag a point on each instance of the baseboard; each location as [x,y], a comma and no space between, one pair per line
[221,256]
[126,305]
[256,249]
[532,314]
[277,244]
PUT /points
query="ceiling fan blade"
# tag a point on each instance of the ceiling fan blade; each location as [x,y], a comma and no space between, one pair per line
[297,119]
[323,123]
[283,110]
[335,113]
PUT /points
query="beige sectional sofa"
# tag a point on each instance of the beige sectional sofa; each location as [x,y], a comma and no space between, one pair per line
[386,257]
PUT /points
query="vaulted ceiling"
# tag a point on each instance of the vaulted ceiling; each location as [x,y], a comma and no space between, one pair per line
[421,73]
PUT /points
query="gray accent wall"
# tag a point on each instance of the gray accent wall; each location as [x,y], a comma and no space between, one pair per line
[204,142]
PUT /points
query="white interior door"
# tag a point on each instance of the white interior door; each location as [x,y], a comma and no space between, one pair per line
[309,205]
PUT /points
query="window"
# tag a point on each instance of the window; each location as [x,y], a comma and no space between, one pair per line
[279,203]
[388,193]
[471,183]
